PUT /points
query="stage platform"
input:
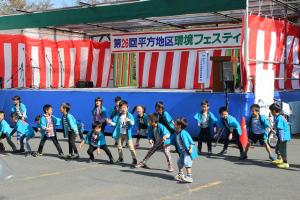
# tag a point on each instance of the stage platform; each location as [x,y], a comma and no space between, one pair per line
[178,102]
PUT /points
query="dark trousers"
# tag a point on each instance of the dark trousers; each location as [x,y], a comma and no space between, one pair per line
[71,141]
[91,150]
[55,142]
[204,136]
[236,138]
[9,141]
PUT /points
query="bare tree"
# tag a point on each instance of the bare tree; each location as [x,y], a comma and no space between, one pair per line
[11,6]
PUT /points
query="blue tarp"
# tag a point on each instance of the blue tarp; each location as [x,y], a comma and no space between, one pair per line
[178,104]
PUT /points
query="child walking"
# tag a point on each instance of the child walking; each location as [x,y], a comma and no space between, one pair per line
[207,123]
[19,108]
[232,129]
[187,150]
[141,121]
[48,122]
[70,129]
[24,132]
[123,123]
[257,126]
[5,132]
[96,141]
[159,137]
[283,133]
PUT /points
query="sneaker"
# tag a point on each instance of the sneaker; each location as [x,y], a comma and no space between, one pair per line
[272,158]
[187,179]
[140,165]
[61,155]
[89,160]
[283,165]
[120,160]
[170,169]
[179,177]
[75,156]
[126,145]
[134,161]
[277,161]
[36,154]
[223,152]
[69,156]
[137,145]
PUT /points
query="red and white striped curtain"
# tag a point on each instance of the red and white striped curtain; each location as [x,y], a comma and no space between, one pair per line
[266,51]
[26,62]
[175,69]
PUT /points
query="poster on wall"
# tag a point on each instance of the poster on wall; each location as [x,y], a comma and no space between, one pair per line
[264,89]
[203,66]
[177,40]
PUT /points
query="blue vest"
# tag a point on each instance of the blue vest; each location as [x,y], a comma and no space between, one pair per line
[211,119]
[162,131]
[101,140]
[5,128]
[116,132]
[23,110]
[232,122]
[23,128]
[56,122]
[281,124]
[187,141]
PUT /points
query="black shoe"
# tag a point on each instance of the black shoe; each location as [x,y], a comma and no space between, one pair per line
[61,155]
[223,152]
[134,161]
[120,160]
[75,156]
[209,153]
[21,150]
[36,154]
[111,161]
[243,156]
[89,160]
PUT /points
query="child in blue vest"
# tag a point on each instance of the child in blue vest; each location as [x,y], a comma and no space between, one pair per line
[24,132]
[159,138]
[99,113]
[187,150]
[70,129]
[48,123]
[164,117]
[141,121]
[207,123]
[96,141]
[283,133]
[123,123]
[5,132]
[232,131]
[115,111]
[257,126]
[19,108]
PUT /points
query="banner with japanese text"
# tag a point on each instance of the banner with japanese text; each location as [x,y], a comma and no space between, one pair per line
[177,40]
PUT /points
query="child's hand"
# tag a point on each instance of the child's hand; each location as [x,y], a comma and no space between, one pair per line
[23,119]
[81,144]
[230,136]
[109,121]
[199,124]
[151,142]
[98,150]
[191,150]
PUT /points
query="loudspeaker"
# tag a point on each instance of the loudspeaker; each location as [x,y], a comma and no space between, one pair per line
[84,84]
[89,84]
[230,86]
